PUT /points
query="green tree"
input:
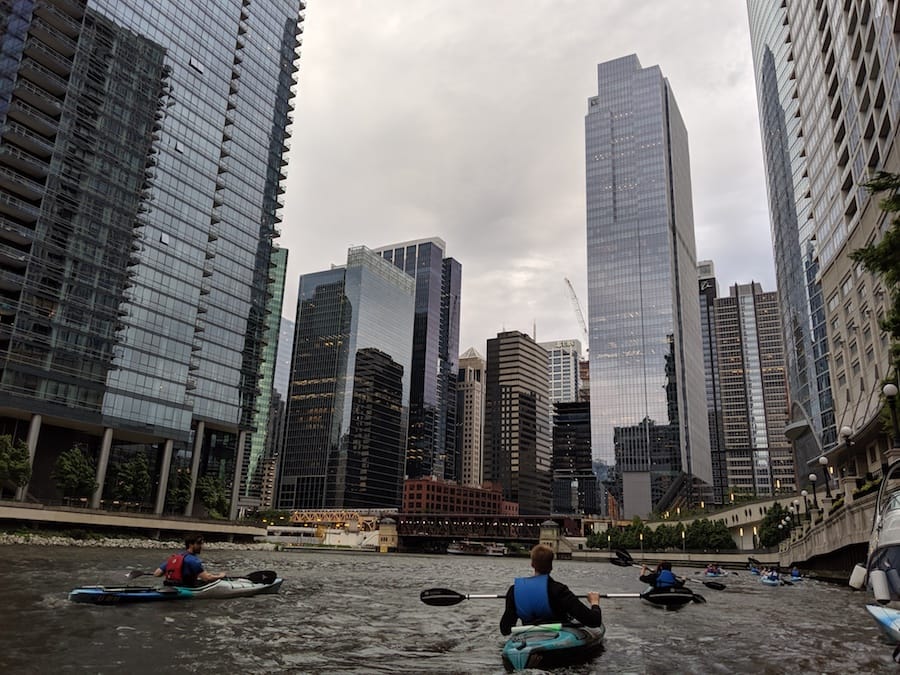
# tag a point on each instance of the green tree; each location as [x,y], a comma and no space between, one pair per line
[75,473]
[769,532]
[132,480]
[211,493]
[15,464]
[883,257]
[178,493]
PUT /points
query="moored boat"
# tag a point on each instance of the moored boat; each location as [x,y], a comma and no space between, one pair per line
[882,570]
[261,583]
[467,547]
[551,646]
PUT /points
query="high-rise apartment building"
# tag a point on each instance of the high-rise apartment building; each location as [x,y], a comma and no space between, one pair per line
[348,407]
[709,291]
[141,159]
[431,442]
[517,434]
[644,318]
[753,392]
[470,418]
[829,100]
[565,379]
[574,481]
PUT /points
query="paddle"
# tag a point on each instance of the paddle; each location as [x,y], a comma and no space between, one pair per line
[625,560]
[444,597]
[258,577]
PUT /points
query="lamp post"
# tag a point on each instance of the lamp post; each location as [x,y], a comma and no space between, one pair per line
[797,510]
[608,542]
[682,541]
[823,462]
[754,536]
[812,479]
[641,535]
[890,393]
[792,513]
[804,494]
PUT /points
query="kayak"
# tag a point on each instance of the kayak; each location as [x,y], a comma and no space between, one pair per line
[551,646]
[717,574]
[769,581]
[229,587]
[888,620]
[671,598]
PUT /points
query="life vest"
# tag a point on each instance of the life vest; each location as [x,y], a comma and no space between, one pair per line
[174,565]
[532,598]
[665,579]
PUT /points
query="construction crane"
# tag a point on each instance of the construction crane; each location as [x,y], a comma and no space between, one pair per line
[578,313]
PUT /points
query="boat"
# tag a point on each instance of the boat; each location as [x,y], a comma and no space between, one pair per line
[770,581]
[230,587]
[671,598]
[754,571]
[467,547]
[551,646]
[717,574]
[888,620]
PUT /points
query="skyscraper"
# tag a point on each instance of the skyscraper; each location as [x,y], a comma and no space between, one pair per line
[574,481]
[348,407]
[141,150]
[470,417]
[565,380]
[644,317]
[829,101]
[709,291]
[517,434]
[432,406]
[753,392]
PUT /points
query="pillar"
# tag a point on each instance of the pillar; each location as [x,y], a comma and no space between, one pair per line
[238,470]
[101,467]
[163,478]
[34,430]
[195,465]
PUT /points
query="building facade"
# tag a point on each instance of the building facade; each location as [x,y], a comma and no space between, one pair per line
[564,372]
[432,495]
[642,303]
[517,423]
[829,98]
[348,407]
[709,291]
[574,481]
[432,418]
[141,155]
[753,392]
[470,418]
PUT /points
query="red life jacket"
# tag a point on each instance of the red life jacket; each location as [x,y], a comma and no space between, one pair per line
[173,568]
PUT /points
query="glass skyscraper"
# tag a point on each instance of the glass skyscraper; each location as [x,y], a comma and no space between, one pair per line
[141,159]
[646,362]
[565,357]
[431,445]
[348,405]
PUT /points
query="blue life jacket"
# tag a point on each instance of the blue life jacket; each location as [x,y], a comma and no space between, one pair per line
[665,579]
[532,599]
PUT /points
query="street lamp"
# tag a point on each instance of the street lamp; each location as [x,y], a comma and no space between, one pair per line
[641,535]
[812,479]
[791,516]
[890,393]
[823,462]
[682,541]
[608,544]
[804,493]
[797,509]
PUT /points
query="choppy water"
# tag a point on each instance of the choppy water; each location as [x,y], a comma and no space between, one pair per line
[360,613]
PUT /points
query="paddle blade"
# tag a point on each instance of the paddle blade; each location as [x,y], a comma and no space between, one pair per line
[624,556]
[441,597]
[699,599]
[134,574]
[618,562]
[262,577]
[787,583]
[715,585]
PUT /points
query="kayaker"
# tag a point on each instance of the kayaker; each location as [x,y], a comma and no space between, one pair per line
[539,599]
[185,568]
[663,577]
[795,573]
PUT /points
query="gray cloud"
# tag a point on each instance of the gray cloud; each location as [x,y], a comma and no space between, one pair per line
[465,119]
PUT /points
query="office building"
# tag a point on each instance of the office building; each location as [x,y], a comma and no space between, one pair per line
[348,407]
[709,291]
[643,307]
[470,418]
[574,481]
[431,441]
[565,380]
[433,495]
[142,151]
[283,357]
[517,434]
[753,392]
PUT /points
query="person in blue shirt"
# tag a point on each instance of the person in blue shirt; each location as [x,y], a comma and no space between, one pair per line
[663,577]
[539,599]
[185,568]
[795,573]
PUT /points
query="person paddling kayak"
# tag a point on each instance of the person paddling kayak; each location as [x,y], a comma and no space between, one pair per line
[663,577]
[185,568]
[539,599]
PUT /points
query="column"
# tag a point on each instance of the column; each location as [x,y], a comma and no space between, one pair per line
[238,469]
[101,467]
[163,478]
[199,433]
[34,430]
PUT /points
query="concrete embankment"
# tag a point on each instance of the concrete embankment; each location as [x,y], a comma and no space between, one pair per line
[32,539]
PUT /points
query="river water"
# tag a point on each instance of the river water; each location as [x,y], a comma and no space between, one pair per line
[361,613]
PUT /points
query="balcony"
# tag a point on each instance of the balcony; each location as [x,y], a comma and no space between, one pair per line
[52,37]
[48,57]
[43,77]
[24,161]
[33,118]
[65,16]
[11,281]
[27,139]
[22,186]
[40,99]
[11,257]
[19,209]
[15,233]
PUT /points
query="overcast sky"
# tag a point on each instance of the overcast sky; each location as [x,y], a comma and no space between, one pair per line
[464,120]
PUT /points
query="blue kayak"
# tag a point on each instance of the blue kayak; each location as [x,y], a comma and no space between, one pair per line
[888,621]
[769,581]
[262,583]
[551,646]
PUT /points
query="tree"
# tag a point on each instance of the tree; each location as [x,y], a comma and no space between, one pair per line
[211,493]
[15,464]
[75,474]
[883,257]
[769,532]
[132,480]
[179,492]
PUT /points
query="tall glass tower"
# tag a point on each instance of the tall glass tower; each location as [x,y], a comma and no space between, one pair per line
[646,362]
[432,447]
[141,153]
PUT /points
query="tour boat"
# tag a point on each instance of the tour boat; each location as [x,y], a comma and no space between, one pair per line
[476,548]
